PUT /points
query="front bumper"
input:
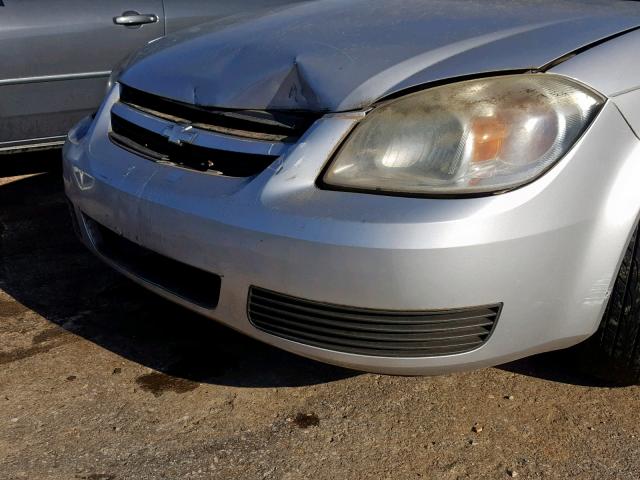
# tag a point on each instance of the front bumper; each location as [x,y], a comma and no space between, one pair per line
[548,252]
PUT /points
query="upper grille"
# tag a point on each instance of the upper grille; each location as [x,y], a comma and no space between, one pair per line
[231,143]
[278,126]
[155,146]
[387,333]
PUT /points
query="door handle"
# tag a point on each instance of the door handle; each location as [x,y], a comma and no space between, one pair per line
[135,19]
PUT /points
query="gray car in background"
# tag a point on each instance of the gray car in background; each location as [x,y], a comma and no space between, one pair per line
[56,55]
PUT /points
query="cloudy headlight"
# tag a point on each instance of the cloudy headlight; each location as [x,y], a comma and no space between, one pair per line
[472,137]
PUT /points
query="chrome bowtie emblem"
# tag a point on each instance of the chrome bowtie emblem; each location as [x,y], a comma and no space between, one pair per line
[180,133]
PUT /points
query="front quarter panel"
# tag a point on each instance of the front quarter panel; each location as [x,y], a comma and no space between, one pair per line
[611,67]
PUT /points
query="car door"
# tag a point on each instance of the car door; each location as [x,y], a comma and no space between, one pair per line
[55,59]
[186,13]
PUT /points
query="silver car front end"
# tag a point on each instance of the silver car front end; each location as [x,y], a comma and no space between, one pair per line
[547,253]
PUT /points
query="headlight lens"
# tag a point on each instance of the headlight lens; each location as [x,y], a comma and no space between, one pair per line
[472,137]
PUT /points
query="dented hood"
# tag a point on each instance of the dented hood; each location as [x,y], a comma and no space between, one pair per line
[337,55]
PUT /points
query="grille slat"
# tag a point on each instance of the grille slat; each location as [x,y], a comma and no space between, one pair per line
[368,331]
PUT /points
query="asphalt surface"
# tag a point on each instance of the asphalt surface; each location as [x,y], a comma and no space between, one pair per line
[101,380]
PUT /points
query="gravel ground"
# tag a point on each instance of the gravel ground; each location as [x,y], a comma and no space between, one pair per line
[100,380]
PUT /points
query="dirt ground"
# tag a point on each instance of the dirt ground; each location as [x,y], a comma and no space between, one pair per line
[101,380]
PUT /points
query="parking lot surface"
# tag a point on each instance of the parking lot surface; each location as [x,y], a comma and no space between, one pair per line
[101,380]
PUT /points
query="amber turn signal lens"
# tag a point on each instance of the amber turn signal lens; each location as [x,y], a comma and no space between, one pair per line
[489,133]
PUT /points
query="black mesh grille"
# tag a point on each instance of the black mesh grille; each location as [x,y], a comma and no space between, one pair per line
[157,147]
[387,333]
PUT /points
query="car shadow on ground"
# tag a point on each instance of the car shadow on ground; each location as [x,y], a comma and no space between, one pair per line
[46,269]
[564,366]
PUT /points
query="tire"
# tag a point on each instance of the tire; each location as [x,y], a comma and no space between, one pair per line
[613,352]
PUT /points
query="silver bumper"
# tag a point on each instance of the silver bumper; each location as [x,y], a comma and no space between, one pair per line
[549,251]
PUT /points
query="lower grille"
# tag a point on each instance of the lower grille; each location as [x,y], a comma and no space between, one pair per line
[387,333]
[192,284]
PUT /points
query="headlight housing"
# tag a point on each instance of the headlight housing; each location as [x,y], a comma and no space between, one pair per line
[473,137]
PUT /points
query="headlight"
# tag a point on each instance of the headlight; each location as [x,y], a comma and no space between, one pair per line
[472,137]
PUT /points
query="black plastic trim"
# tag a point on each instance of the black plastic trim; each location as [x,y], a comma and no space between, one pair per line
[192,284]
[156,147]
[288,124]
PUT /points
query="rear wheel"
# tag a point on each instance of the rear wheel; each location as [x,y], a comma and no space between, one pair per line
[613,352]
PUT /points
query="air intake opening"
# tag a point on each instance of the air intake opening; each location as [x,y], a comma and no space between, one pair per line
[192,284]
[385,333]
